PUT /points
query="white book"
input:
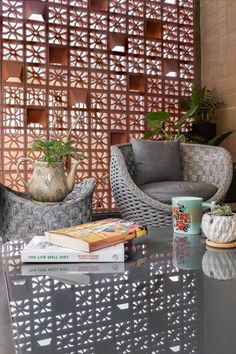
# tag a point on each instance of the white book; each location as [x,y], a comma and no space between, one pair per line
[38,250]
[71,269]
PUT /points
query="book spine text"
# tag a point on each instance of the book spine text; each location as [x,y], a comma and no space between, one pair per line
[88,257]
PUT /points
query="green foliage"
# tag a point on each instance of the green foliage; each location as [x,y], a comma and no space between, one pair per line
[218,139]
[54,150]
[157,123]
[206,102]
[222,210]
[201,105]
[186,115]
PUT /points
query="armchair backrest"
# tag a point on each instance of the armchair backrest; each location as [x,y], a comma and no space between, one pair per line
[206,163]
[128,154]
[200,163]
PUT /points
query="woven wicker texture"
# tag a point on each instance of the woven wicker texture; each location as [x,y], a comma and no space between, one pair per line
[20,217]
[200,163]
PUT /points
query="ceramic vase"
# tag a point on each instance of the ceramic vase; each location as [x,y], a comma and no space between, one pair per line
[48,183]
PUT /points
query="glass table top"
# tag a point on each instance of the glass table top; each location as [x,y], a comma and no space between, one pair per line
[172,295]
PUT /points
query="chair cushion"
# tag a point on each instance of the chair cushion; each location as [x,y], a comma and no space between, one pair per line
[164,191]
[157,161]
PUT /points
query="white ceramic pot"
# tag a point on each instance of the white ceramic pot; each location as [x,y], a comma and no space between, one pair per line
[221,229]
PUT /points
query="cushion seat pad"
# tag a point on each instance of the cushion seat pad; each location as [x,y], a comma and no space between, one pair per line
[164,191]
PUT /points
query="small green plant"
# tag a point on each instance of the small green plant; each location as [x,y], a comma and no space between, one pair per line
[55,150]
[222,210]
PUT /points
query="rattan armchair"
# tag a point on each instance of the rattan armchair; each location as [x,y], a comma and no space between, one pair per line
[200,163]
[20,217]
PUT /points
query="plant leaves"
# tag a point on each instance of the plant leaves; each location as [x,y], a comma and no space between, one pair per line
[156,119]
[195,98]
[184,117]
[217,140]
[151,133]
[181,138]
[202,95]
[197,139]
[54,150]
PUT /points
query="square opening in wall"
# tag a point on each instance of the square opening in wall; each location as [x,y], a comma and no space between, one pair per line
[35,10]
[79,98]
[118,42]
[136,83]
[58,55]
[170,67]
[12,72]
[99,5]
[36,117]
[153,29]
[118,138]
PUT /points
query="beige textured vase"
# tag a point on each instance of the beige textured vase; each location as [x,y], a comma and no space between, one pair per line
[48,182]
[221,229]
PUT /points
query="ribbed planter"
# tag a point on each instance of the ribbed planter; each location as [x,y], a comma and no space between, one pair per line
[221,229]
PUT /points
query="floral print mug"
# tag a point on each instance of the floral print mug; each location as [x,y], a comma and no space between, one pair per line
[187,214]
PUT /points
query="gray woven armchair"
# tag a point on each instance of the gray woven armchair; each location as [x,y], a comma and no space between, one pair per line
[20,217]
[200,163]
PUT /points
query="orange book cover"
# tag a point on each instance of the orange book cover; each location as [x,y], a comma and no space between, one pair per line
[95,235]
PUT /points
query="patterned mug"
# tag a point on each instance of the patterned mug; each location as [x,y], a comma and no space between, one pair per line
[187,214]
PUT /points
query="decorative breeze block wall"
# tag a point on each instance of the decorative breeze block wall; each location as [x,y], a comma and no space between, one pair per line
[104,62]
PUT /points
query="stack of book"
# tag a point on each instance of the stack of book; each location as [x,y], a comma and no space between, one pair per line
[88,245]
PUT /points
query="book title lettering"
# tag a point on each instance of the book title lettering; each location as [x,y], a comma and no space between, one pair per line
[49,257]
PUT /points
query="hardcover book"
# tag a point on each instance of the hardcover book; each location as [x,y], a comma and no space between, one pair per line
[38,250]
[96,235]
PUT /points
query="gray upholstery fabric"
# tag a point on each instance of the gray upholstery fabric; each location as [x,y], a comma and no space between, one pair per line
[157,161]
[164,191]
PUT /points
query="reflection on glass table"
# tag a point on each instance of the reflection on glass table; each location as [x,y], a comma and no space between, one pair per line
[219,264]
[151,305]
[188,251]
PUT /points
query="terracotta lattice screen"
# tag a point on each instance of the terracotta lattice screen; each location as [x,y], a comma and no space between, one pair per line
[106,62]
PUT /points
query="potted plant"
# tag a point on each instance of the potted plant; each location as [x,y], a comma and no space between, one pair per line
[49,182]
[207,105]
[219,225]
[157,123]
